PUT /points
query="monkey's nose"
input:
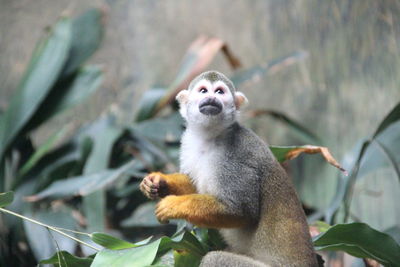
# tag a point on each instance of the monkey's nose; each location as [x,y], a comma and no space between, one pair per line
[210,106]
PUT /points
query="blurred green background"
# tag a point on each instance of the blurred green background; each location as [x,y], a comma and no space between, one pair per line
[347,83]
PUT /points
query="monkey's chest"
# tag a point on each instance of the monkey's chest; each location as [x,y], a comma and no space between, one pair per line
[199,160]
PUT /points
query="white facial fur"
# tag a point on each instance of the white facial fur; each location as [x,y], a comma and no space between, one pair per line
[189,105]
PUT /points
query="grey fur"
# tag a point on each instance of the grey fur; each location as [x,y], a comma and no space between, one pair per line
[233,164]
[227,259]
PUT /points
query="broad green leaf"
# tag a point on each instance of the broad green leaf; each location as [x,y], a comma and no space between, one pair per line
[394,232]
[184,259]
[42,150]
[210,238]
[44,69]
[360,240]
[184,241]
[103,133]
[67,93]
[111,242]
[145,255]
[64,161]
[87,34]
[384,151]
[6,198]
[143,216]
[280,152]
[82,185]
[87,80]
[393,116]
[343,186]
[166,260]
[43,242]
[163,129]
[150,152]
[366,157]
[65,259]
[131,257]
[149,102]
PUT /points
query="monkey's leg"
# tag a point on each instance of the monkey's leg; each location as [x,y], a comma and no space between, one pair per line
[227,259]
[201,210]
[157,184]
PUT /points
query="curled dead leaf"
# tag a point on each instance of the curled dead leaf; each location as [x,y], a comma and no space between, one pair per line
[198,56]
[309,149]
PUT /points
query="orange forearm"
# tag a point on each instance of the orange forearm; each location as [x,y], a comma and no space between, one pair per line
[178,184]
[201,210]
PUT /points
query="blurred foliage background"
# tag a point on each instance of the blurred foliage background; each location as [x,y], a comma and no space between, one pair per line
[344,81]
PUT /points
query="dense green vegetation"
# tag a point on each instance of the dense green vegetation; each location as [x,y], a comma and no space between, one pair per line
[60,198]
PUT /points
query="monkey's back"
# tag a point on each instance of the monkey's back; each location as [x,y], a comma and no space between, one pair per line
[280,234]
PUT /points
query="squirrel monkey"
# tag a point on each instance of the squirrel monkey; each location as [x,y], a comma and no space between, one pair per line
[230,180]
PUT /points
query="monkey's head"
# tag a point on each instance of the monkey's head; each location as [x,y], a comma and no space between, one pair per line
[211,99]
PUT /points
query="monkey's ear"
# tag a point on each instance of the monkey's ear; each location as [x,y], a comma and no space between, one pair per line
[182,96]
[240,100]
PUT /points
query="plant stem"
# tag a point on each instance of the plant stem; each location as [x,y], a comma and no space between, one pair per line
[48,227]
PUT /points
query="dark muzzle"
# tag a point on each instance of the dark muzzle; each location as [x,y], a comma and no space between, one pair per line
[210,106]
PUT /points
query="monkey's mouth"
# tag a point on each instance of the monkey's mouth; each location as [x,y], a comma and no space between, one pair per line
[210,106]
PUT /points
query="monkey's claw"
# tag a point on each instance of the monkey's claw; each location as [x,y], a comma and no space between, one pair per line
[166,209]
[154,186]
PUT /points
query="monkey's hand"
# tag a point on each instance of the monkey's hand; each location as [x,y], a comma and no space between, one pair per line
[158,185]
[201,210]
[154,186]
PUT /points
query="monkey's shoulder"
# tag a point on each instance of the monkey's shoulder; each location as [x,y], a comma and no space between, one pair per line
[244,145]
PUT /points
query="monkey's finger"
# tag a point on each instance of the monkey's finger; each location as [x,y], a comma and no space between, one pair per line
[162,220]
[151,185]
[156,180]
[148,192]
[148,189]
[143,188]
[162,217]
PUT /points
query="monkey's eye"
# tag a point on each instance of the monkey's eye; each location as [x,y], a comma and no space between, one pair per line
[203,90]
[219,91]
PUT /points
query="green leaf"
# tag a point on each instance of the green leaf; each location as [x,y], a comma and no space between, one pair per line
[64,258]
[384,151]
[184,241]
[87,33]
[280,152]
[145,255]
[149,102]
[360,240]
[43,242]
[143,216]
[103,133]
[163,129]
[44,69]
[82,185]
[42,150]
[131,257]
[283,153]
[6,198]
[184,259]
[111,242]
[87,80]
[67,93]
[393,116]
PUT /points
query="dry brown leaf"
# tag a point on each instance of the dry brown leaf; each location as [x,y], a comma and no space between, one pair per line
[309,149]
[205,49]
